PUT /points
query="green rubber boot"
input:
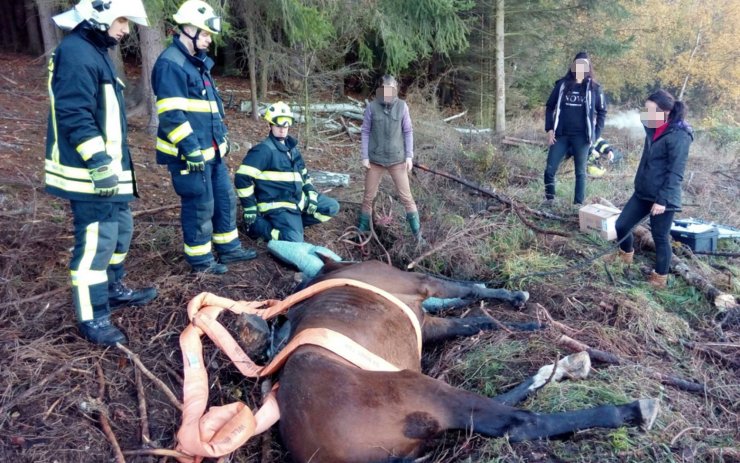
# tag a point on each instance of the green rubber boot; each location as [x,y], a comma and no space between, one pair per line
[364,223]
[415,225]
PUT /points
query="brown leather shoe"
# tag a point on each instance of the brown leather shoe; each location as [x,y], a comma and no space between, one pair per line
[657,281]
[624,257]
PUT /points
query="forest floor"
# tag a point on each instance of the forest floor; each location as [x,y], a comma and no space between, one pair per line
[51,379]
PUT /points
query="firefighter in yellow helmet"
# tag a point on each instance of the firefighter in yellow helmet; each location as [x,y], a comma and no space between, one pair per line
[277,196]
[88,161]
[192,142]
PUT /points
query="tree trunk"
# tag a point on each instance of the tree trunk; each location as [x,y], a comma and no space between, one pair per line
[691,59]
[49,30]
[252,63]
[35,44]
[152,44]
[264,65]
[500,71]
[9,32]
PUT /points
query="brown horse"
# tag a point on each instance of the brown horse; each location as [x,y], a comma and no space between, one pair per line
[332,411]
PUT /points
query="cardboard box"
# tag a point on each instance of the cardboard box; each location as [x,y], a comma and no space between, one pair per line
[600,219]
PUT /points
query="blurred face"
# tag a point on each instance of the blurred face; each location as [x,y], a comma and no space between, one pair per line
[204,40]
[119,29]
[279,132]
[653,117]
[387,93]
[580,67]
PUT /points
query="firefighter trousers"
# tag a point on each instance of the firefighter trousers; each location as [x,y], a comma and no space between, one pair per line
[287,225]
[102,232]
[208,212]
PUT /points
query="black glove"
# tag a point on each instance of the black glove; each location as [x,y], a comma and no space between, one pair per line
[249,215]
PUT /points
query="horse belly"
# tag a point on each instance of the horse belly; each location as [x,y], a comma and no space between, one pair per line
[331,411]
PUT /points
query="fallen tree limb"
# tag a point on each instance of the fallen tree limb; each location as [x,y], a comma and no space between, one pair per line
[103,417]
[497,196]
[679,266]
[155,210]
[143,415]
[158,382]
[534,227]
[596,354]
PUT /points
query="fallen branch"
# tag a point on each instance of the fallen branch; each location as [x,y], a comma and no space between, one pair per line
[103,416]
[155,210]
[695,428]
[542,311]
[158,382]
[53,292]
[720,299]
[534,227]
[451,240]
[456,116]
[497,196]
[346,128]
[145,435]
[595,354]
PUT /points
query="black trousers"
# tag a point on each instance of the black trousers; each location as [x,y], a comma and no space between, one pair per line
[579,146]
[634,211]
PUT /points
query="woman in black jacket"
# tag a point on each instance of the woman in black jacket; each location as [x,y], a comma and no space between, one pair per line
[658,180]
[574,118]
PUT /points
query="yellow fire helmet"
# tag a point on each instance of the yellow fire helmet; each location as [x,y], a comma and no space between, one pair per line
[279,114]
[199,14]
[596,171]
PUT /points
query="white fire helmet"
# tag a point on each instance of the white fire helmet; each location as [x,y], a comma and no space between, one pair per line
[102,13]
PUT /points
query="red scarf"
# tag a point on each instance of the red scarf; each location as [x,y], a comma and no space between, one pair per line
[659,131]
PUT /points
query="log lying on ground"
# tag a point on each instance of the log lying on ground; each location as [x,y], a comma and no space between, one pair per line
[721,300]
[329,179]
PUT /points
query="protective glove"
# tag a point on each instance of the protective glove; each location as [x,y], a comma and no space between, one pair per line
[313,203]
[250,216]
[195,162]
[105,181]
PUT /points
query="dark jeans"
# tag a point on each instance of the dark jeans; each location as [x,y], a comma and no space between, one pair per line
[660,227]
[578,146]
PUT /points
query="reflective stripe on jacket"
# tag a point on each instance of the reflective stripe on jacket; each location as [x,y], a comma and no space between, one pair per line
[87,119]
[595,109]
[274,176]
[191,113]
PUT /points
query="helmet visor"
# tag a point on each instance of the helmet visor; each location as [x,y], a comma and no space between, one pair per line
[214,24]
[283,121]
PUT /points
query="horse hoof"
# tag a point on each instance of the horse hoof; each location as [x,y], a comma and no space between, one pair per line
[648,412]
[520,298]
[576,366]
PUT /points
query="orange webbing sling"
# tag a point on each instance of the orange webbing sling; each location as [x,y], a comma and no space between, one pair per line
[223,429]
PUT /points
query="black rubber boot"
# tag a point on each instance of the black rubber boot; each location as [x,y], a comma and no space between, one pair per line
[121,295]
[101,331]
[213,268]
[237,255]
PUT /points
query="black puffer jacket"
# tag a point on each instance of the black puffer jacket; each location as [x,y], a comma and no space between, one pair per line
[660,173]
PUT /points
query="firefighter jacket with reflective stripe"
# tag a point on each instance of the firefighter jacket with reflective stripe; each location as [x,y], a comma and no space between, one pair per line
[273,176]
[87,120]
[191,113]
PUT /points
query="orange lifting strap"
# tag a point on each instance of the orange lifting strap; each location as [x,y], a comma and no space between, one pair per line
[223,429]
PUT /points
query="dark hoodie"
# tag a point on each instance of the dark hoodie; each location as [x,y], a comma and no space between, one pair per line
[660,173]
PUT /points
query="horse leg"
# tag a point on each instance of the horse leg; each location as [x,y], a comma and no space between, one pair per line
[449,289]
[575,366]
[438,329]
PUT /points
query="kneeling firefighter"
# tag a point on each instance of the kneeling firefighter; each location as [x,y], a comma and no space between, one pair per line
[274,187]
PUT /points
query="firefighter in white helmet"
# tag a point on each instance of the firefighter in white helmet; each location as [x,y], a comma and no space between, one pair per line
[192,141]
[89,163]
